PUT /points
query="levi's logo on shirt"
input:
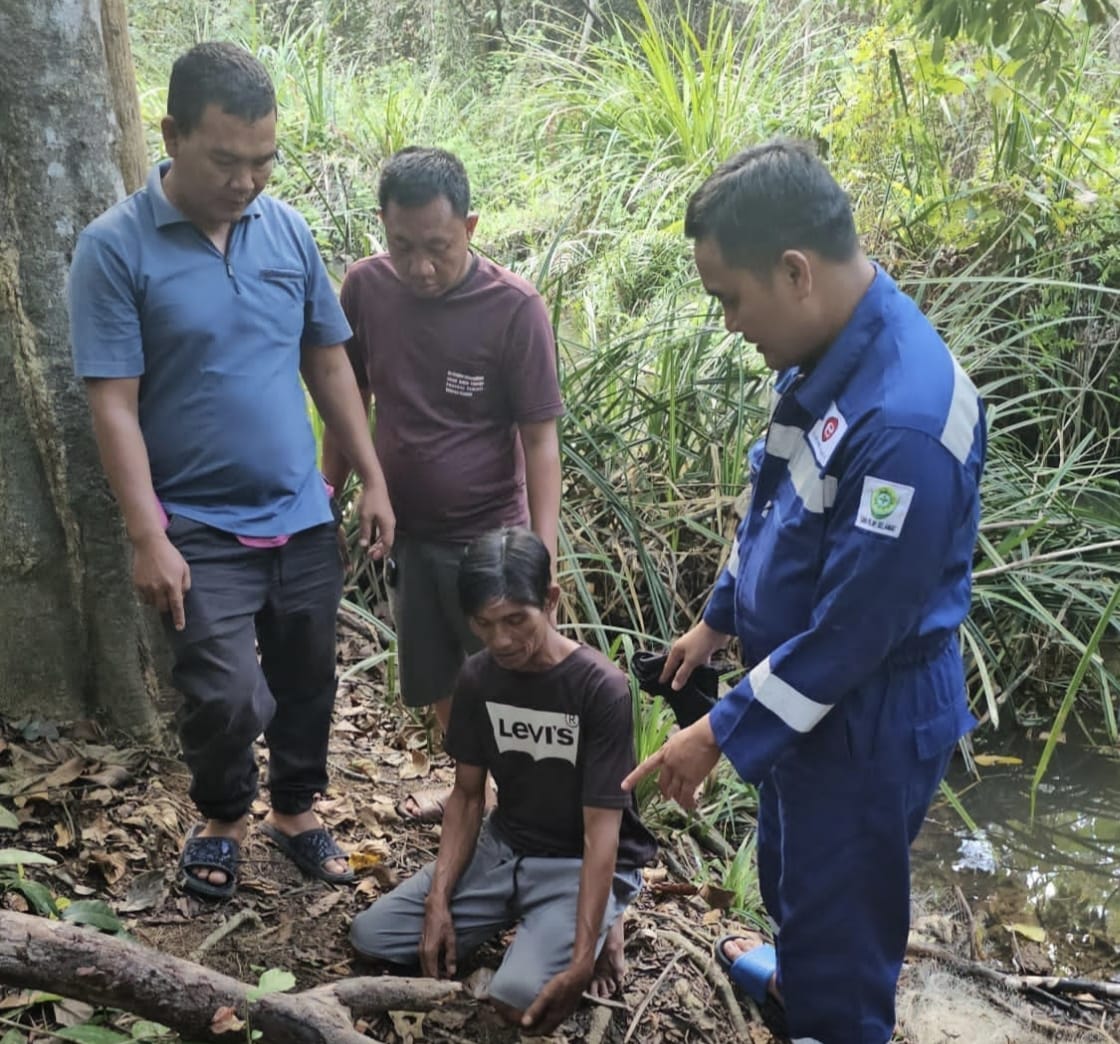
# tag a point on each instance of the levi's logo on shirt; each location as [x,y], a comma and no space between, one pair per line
[540,734]
[465,385]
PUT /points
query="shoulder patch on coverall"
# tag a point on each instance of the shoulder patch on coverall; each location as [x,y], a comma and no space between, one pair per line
[883,506]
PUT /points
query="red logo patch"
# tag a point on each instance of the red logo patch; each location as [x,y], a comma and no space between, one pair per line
[829,429]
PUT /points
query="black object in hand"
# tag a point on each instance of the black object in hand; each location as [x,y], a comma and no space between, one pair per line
[689,704]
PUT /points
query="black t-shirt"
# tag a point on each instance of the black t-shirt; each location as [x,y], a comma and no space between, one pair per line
[554,741]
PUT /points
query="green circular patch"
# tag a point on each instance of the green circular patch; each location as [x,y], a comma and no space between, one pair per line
[883,502]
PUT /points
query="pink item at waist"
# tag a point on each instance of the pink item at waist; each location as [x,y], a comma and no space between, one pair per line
[248,541]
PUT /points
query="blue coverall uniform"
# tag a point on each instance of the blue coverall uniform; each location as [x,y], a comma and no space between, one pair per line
[848,581]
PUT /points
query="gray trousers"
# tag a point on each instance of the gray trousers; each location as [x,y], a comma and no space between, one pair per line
[497,890]
[283,600]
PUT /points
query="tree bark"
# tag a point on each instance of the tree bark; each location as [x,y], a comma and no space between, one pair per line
[192,1000]
[73,639]
[132,156]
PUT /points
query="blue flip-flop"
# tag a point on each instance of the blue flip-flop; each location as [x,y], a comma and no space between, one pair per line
[750,971]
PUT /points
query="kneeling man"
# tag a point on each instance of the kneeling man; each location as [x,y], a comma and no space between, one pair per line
[561,853]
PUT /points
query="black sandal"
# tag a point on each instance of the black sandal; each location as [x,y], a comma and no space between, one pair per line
[310,851]
[209,853]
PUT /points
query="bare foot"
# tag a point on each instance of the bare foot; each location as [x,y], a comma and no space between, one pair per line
[424,806]
[235,829]
[297,824]
[610,965]
[736,946]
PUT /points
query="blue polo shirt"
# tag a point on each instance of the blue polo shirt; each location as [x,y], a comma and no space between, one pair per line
[215,340]
[854,561]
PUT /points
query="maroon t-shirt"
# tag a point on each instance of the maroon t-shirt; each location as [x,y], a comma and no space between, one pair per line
[451,378]
[555,741]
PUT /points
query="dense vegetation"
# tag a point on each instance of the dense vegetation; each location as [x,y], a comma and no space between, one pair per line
[987,188]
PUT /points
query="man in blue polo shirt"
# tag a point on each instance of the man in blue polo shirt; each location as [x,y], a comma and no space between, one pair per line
[196,305]
[846,585]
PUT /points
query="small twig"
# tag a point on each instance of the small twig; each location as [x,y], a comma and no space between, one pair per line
[245,916]
[641,1009]
[681,925]
[962,901]
[707,964]
[606,1002]
[1049,556]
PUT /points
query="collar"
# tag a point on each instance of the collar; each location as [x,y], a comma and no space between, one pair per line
[165,212]
[821,387]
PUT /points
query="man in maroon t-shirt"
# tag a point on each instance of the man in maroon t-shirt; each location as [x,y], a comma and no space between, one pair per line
[458,356]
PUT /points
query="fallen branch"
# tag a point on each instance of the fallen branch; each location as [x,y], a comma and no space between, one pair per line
[195,1001]
[1019,983]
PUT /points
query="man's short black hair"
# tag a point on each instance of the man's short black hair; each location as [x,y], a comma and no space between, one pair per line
[509,563]
[768,199]
[222,74]
[416,175]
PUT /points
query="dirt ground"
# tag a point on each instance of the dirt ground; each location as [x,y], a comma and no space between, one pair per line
[115,817]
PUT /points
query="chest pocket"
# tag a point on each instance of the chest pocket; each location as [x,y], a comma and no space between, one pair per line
[281,293]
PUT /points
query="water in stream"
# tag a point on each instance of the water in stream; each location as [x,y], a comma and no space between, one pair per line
[1060,874]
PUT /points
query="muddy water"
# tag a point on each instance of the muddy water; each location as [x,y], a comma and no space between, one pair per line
[1058,876]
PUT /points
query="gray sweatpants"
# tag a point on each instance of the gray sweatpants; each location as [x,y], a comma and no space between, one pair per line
[497,890]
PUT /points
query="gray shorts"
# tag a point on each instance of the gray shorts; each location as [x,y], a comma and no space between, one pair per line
[497,890]
[433,636]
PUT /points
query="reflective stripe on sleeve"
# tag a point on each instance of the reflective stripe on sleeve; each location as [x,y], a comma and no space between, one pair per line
[798,712]
[964,410]
[787,442]
[782,440]
[816,493]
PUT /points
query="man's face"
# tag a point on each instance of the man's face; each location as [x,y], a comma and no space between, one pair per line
[221,165]
[514,633]
[771,312]
[429,245]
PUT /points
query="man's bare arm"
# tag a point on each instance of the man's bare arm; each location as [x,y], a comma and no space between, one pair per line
[159,573]
[330,380]
[336,466]
[462,820]
[541,444]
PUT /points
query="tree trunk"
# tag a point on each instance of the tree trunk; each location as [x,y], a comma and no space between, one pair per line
[196,1002]
[73,639]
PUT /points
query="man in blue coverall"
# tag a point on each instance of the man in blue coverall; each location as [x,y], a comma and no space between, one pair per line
[848,580]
